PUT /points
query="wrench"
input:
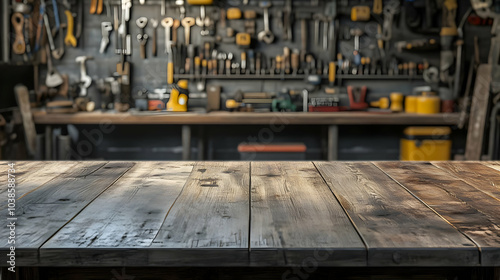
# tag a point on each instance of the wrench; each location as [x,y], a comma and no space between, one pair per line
[70,39]
[266,35]
[19,46]
[142,37]
[85,80]
[106,28]
[389,11]
[167,24]
[326,26]
[187,22]
[317,22]
[53,78]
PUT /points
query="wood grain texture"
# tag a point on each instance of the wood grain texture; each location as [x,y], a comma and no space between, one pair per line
[480,176]
[492,164]
[471,211]
[123,218]
[478,113]
[32,174]
[398,229]
[215,118]
[294,211]
[210,215]
[41,213]
[23,101]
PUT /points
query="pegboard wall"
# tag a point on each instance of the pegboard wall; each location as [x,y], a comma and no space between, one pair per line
[150,74]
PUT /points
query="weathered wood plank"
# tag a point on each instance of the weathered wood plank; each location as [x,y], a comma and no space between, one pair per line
[295,213]
[473,212]
[41,213]
[493,164]
[398,229]
[209,219]
[480,176]
[33,174]
[126,216]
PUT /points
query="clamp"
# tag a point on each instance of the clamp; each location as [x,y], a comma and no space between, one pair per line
[357,97]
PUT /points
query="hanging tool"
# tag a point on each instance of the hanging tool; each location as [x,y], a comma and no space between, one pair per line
[377,7]
[288,21]
[39,34]
[19,45]
[142,37]
[167,24]
[187,23]
[125,38]
[357,33]
[154,24]
[96,7]
[59,52]
[57,20]
[79,16]
[85,80]
[53,78]
[390,10]
[266,35]
[70,39]
[106,28]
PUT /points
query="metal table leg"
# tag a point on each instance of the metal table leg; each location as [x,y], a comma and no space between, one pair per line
[201,143]
[48,142]
[186,142]
[333,142]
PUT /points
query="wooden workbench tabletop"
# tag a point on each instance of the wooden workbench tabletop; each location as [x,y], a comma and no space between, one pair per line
[255,213]
[227,118]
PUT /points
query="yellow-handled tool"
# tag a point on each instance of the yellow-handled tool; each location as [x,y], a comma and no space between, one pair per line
[70,39]
[377,7]
[96,7]
[332,69]
[178,97]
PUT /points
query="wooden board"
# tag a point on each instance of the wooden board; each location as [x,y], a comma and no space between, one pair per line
[478,111]
[41,213]
[295,214]
[126,216]
[23,101]
[31,174]
[220,118]
[397,228]
[480,176]
[209,220]
[473,212]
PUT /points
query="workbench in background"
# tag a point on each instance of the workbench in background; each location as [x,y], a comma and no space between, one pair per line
[78,219]
[268,121]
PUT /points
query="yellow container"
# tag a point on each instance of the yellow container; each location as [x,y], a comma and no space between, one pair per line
[397,102]
[426,144]
[411,104]
[428,103]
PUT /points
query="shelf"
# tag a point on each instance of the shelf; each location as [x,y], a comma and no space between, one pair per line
[296,77]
